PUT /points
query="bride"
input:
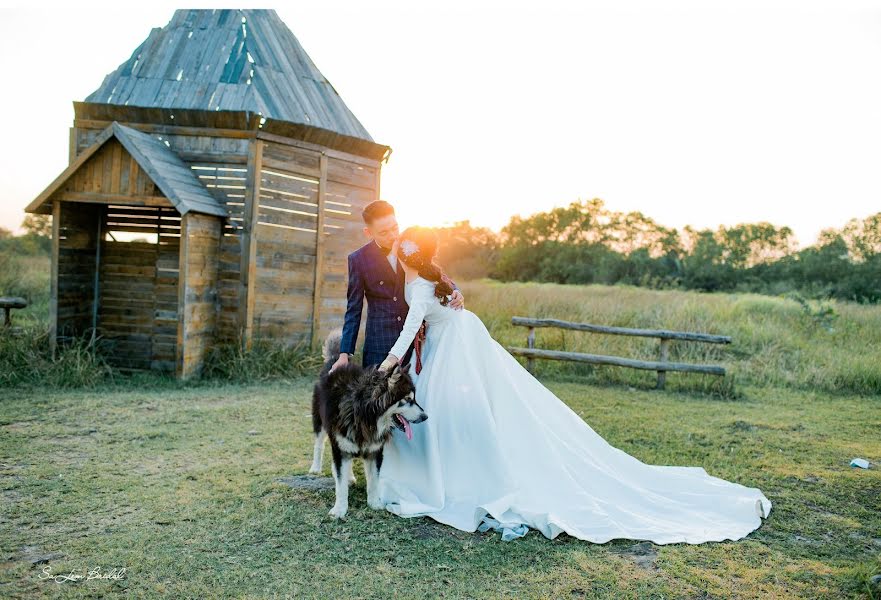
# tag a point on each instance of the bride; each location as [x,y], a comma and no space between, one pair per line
[500,450]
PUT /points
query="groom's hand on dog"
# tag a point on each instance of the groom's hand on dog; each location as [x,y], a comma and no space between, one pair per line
[342,361]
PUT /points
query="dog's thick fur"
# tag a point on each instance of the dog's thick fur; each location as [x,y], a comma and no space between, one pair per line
[356,410]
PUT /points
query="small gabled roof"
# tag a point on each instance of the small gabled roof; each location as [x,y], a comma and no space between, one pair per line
[165,168]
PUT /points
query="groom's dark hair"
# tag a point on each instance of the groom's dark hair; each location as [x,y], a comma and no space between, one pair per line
[376,210]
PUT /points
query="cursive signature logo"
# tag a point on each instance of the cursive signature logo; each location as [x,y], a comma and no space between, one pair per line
[96,573]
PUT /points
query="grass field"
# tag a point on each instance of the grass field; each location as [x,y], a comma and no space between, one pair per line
[178,482]
[178,486]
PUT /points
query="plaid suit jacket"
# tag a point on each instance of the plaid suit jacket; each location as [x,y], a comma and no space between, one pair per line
[371,277]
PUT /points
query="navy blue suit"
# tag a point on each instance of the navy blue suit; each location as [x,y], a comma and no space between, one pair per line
[371,276]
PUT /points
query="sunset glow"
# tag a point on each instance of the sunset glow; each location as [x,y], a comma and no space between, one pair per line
[694,113]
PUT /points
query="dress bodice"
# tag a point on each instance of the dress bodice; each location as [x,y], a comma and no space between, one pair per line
[424,305]
[420,291]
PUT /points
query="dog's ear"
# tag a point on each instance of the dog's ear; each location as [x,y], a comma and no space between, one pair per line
[405,368]
[395,375]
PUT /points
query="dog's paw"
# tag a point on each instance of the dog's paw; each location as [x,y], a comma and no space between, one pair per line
[314,470]
[353,479]
[375,503]
[338,512]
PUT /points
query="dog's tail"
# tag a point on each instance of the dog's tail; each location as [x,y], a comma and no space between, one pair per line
[331,348]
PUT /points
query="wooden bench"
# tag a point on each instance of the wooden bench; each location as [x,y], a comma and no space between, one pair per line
[662,365]
[8,303]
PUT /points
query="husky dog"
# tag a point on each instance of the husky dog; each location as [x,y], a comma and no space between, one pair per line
[356,409]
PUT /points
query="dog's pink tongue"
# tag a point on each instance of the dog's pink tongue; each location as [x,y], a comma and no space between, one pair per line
[407,429]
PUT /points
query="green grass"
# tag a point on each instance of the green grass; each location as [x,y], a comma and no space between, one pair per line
[776,341]
[176,483]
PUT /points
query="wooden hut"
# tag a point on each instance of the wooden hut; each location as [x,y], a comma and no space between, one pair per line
[215,186]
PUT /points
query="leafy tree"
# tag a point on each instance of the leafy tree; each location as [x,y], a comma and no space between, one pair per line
[38,225]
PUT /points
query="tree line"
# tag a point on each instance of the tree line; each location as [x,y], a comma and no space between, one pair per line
[585,242]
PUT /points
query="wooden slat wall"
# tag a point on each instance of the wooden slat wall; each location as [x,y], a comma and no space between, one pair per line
[112,170]
[350,187]
[284,292]
[226,182]
[219,163]
[197,293]
[111,175]
[287,233]
[285,246]
[137,307]
[165,311]
[77,243]
[209,148]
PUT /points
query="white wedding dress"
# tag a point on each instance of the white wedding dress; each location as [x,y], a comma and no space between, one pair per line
[500,446]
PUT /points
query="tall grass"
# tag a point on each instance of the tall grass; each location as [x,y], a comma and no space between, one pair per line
[263,362]
[25,360]
[776,340]
[25,276]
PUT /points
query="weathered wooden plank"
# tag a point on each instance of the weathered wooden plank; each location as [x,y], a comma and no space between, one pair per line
[181,297]
[294,186]
[145,220]
[72,149]
[656,333]
[283,282]
[344,171]
[291,158]
[265,134]
[319,253]
[98,198]
[599,359]
[53,287]
[250,236]
[302,207]
[663,349]
[347,199]
[170,129]
[302,241]
[294,221]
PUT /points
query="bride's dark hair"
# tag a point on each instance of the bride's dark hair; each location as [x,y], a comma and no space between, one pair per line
[419,254]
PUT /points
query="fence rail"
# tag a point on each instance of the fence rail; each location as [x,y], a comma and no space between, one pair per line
[662,365]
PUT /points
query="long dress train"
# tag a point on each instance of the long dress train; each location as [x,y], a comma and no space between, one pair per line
[499,445]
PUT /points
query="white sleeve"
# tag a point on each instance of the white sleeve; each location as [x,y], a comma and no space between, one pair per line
[423,296]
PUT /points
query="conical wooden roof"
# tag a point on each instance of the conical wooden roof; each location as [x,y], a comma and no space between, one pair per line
[226,59]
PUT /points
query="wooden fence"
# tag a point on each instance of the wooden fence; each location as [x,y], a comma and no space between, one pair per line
[662,365]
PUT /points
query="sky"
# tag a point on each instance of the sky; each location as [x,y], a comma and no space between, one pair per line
[703,113]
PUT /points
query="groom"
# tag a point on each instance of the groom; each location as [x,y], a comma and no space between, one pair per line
[374,273]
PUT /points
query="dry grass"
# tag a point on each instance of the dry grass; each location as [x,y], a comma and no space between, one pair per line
[179,486]
[776,340]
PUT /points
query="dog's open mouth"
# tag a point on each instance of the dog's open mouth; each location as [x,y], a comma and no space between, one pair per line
[404,425]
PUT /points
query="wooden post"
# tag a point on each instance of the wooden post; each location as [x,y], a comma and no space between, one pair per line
[53,285]
[662,357]
[96,283]
[249,242]
[376,179]
[530,343]
[319,252]
[71,154]
[182,279]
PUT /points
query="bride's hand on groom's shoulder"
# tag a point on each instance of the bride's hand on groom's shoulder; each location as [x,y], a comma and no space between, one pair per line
[458,300]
